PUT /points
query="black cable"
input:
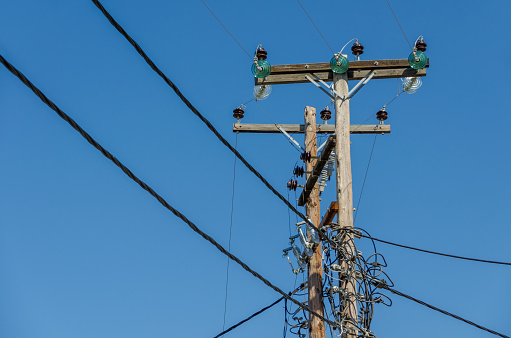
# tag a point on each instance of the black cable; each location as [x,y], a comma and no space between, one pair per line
[443,311]
[437,253]
[250,317]
[144,186]
[199,115]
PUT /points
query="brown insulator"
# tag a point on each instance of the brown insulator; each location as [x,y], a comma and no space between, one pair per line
[298,171]
[357,49]
[292,184]
[421,45]
[306,156]
[381,115]
[261,54]
[326,114]
[238,113]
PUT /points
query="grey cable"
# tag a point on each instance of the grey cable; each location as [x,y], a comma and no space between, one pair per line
[232,36]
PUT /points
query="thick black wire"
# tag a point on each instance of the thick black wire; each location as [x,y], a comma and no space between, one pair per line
[147,188]
[250,317]
[437,253]
[444,312]
[199,115]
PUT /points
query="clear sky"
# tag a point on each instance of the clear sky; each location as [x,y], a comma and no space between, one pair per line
[85,252]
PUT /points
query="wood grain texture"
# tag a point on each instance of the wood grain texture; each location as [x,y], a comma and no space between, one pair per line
[316,171]
[300,128]
[385,69]
[344,190]
[312,209]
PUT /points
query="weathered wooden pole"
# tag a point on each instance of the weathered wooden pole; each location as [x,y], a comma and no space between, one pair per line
[345,193]
[315,267]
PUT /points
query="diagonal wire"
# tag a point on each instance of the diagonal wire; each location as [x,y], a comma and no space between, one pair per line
[232,36]
[395,17]
[365,177]
[444,312]
[316,27]
[250,317]
[437,253]
[203,119]
[230,234]
[147,188]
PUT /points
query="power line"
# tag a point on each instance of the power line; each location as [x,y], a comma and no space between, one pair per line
[230,234]
[365,177]
[250,317]
[200,116]
[443,311]
[437,253]
[147,188]
[232,36]
[395,17]
[316,27]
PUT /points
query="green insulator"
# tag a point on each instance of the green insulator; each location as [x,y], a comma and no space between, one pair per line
[264,71]
[339,64]
[418,61]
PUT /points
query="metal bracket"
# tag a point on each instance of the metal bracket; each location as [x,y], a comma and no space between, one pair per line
[289,137]
[361,84]
[331,91]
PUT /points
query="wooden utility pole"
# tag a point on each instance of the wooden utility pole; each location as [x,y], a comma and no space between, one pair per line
[344,190]
[315,267]
[318,74]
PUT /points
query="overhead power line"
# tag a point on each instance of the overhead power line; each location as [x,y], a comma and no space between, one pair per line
[395,17]
[316,27]
[437,253]
[444,312]
[250,317]
[199,115]
[232,36]
[147,188]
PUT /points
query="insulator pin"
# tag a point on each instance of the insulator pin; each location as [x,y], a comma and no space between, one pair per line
[306,156]
[357,49]
[238,113]
[298,171]
[421,45]
[381,115]
[261,53]
[326,114]
[292,184]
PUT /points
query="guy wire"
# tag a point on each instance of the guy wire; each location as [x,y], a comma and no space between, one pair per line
[230,233]
[232,36]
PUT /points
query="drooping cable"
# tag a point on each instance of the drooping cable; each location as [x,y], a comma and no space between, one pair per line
[437,253]
[230,233]
[444,312]
[232,36]
[199,115]
[147,188]
[365,177]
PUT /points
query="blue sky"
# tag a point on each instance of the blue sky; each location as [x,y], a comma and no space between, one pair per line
[84,252]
